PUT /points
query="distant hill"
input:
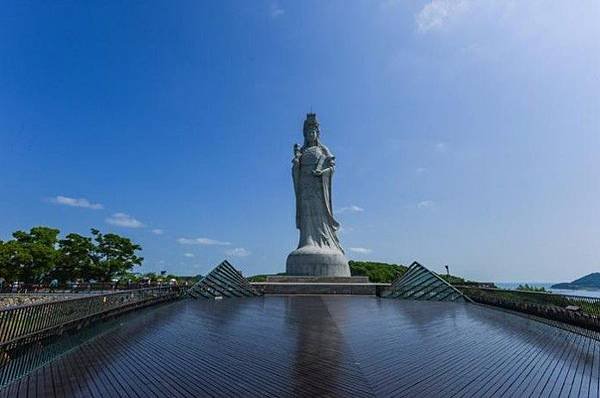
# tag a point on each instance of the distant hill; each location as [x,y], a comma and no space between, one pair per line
[588,282]
[386,273]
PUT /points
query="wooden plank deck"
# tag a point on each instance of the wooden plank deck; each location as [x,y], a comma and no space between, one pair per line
[322,346]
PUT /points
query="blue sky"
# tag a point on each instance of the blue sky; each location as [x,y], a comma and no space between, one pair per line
[466,132]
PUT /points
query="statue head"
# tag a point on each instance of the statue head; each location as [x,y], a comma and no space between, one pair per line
[311,130]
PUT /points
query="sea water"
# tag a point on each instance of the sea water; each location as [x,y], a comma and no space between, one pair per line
[546,285]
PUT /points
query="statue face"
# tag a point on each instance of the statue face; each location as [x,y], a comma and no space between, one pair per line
[312,135]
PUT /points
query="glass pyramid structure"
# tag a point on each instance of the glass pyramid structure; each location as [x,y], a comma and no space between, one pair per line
[419,283]
[224,281]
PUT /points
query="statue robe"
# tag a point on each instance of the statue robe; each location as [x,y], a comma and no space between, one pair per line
[314,212]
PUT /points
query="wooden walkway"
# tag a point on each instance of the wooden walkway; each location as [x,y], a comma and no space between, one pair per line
[322,346]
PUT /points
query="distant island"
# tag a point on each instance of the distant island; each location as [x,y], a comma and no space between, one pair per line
[588,282]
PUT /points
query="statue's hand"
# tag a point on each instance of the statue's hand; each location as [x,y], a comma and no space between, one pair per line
[317,173]
[297,152]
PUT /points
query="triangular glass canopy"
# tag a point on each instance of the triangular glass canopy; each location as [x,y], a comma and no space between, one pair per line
[224,281]
[419,283]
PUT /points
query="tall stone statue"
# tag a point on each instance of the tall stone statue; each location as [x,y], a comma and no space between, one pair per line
[319,252]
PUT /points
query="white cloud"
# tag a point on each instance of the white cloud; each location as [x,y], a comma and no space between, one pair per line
[275,11]
[441,147]
[158,231]
[351,209]
[421,170]
[238,252]
[124,220]
[426,204]
[361,250]
[75,202]
[437,13]
[190,255]
[202,241]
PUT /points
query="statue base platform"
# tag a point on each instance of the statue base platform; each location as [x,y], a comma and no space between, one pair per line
[283,285]
[317,261]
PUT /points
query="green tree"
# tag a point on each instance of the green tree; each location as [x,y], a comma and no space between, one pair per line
[30,256]
[377,272]
[76,259]
[114,255]
[3,263]
[532,288]
[12,255]
[151,276]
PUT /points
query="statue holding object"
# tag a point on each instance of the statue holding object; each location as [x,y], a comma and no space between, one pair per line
[319,252]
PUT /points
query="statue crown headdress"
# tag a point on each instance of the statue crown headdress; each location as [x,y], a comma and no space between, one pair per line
[311,121]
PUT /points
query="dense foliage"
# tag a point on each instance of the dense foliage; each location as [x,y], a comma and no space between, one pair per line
[38,256]
[257,278]
[453,280]
[528,288]
[377,272]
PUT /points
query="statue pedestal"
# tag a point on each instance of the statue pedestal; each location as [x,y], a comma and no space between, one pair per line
[316,279]
[317,261]
[286,285]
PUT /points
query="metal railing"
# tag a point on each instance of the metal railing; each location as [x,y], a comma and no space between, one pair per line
[27,331]
[80,287]
[580,311]
[27,320]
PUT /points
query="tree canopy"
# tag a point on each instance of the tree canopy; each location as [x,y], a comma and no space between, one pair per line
[377,272]
[39,256]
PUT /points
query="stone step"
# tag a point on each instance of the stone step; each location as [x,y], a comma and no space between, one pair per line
[320,288]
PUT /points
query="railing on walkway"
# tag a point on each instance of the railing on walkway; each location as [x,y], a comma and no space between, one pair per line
[81,287]
[580,311]
[25,331]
